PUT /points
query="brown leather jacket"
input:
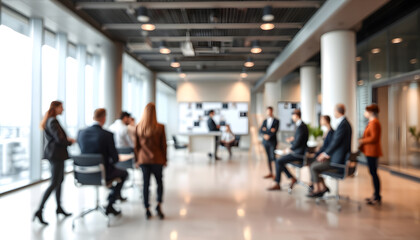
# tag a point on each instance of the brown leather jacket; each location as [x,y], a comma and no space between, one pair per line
[151,150]
[371,141]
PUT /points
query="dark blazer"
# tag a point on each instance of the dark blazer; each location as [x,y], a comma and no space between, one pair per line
[212,125]
[151,150]
[272,132]
[341,143]
[55,141]
[327,142]
[95,139]
[299,145]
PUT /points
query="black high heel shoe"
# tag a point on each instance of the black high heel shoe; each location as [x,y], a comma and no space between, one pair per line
[38,215]
[61,211]
[374,202]
[159,212]
[148,214]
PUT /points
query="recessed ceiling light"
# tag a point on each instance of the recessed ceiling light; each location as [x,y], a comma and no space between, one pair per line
[175,63]
[142,15]
[376,50]
[163,49]
[360,82]
[267,14]
[148,27]
[358,59]
[378,75]
[244,75]
[396,40]
[182,75]
[267,26]
[413,61]
[249,63]
[256,47]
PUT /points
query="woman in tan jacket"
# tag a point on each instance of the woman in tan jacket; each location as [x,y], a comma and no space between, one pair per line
[150,152]
[370,145]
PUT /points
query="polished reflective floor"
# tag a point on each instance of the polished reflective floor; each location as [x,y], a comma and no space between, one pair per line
[223,200]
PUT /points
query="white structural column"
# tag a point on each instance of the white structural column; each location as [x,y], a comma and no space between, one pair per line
[61,46]
[338,70]
[259,101]
[150,87]
[271,96]
[308,93]
[81,57]
[36,111]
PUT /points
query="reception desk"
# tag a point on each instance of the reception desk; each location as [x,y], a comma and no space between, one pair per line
[202,142]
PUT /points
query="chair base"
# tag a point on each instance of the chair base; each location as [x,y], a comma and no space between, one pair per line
[97,209]
[301,183]
[338,198]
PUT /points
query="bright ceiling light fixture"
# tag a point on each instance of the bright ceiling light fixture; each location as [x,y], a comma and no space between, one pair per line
[163,49]
[267,26]
[148,27]
[182,75]
[249,63]
[175,63]
[142,15]
[256,47]
[396,40]
[243,74]
[268,14]
[376,50]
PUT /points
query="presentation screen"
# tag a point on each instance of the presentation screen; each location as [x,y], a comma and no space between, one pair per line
[193,116]
[285,110]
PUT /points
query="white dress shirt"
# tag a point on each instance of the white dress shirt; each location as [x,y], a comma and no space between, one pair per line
[338,121]
[298,122]
[227,136]
[269,122]
[121,135]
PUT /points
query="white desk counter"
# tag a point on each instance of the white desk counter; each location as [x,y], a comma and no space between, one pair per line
[202,142]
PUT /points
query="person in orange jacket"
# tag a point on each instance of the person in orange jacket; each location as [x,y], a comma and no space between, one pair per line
[370,145]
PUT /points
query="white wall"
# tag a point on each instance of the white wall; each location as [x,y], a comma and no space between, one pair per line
[167,108]
[290,91]
[216,91]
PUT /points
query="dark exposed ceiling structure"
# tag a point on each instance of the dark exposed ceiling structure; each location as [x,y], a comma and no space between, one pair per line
[211,36]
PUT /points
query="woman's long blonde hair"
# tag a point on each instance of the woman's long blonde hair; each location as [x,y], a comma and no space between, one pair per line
[148,123]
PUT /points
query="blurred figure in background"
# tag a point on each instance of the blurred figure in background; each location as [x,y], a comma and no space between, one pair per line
[227,139]
[120,130]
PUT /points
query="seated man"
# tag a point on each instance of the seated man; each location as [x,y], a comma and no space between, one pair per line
[95,139]
[121,133]
[336,151]
[294,153]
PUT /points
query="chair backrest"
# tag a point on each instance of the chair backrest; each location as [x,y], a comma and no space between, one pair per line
[89,169]
[236,142]
[126,150]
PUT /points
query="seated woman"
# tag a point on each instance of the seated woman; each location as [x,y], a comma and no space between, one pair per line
[316,166]
[227,139]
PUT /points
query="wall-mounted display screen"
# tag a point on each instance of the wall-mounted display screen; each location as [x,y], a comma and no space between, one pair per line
[285,110]
[193,116]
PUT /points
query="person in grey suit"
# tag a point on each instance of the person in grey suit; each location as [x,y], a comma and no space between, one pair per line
[295,153]
[56,143]
[269,130]
[336,151]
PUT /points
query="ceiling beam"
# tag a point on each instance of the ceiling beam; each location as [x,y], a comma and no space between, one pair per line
[169,26]
[218,38]
[160,57]
[208,63]
[244,50]
[199,4]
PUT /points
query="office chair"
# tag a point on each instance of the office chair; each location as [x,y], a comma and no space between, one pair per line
[129,164]
[341,172]
[298,165]
[89,171]
[177,145]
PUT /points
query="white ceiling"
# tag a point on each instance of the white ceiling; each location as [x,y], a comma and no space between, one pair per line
[211,77]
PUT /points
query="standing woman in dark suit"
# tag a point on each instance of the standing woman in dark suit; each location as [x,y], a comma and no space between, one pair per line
[150,152]
[56,153]
[370,145]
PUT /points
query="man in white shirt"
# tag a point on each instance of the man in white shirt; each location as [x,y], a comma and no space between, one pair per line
[120,129]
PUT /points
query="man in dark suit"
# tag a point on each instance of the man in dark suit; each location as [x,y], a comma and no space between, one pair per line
[295,153]
[95,139]
[336,151]
[213,128]
[269,130]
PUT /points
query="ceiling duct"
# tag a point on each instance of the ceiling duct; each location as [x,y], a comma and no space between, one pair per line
[187,47]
